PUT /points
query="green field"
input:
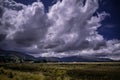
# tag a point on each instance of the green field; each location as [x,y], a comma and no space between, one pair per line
[60,71]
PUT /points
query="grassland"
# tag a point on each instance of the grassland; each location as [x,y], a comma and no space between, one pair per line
[60,71]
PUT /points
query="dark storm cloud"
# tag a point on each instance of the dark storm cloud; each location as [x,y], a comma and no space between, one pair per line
[1,12]
[2,37]
[69,28]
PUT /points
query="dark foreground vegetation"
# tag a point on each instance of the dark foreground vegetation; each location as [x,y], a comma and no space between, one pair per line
[60,71]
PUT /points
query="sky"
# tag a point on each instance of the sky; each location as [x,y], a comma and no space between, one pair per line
[61,28]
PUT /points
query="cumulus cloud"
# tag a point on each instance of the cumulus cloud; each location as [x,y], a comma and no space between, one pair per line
[74,25]
[69,28]
[25,27]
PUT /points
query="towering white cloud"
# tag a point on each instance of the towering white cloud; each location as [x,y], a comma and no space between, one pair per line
[69,28]
[74,25]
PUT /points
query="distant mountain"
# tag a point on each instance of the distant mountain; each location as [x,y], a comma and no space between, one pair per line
[84,59]
[49,59]
[76,59]
[7,54]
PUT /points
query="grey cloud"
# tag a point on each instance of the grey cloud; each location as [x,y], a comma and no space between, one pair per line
[11,4]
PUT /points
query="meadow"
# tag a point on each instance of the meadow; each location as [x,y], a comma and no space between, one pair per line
[60,71]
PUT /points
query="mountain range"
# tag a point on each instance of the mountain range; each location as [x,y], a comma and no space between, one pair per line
[21,55]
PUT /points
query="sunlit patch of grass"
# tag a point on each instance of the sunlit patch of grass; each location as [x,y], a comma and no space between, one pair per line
[28,76]
[17,75]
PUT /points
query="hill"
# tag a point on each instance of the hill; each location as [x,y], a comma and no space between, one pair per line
[14,56]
